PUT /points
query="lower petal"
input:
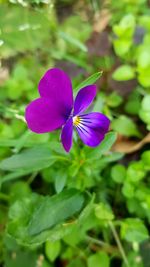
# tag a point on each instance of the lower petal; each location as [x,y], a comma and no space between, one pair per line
[66,135]
[43,116]
[96,120]
[92,128]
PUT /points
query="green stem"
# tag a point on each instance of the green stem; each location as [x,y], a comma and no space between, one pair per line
[120,247]
[21,141]
[96,241]
[108,247]
[32,177]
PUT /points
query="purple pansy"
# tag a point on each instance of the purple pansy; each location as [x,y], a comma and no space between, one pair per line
[55,108]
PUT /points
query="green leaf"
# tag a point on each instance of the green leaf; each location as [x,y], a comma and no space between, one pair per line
[133,230]
[55,210]
[135,259]
[75,42]
[76,263]
[19,190]
[26,32]
[122,46]
[145,116]
[21,258]
[128,190]
[118,173]
[133,104]
[114,100]
[60,181]
[146,103]
[105,145]
[143,57]
[135,171]
[35,158]
[125,126]
[87,218]
[146,159]
[21,213]
[106,159]
[52,249]
[91,80]
[99,259]
[126,26]
[133,206]
[86,211]
[144,111]
[75,237]
[13,176]
[144,76]
[124,73]
[103,212]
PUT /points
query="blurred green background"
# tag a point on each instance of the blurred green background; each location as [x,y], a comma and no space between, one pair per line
[91,207]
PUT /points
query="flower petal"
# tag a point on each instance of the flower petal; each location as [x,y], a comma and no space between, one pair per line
[92,128]
[66,135]
[43,116]
[56,85]
[84,98]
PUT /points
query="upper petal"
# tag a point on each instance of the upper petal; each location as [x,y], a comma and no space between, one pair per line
[43,116]
[84,98]
[56,85]
[66,135]
[92,128]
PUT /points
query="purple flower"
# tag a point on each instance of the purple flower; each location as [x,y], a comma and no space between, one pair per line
[55,108]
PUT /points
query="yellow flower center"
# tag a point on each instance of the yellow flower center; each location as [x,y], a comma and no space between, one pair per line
[76,120]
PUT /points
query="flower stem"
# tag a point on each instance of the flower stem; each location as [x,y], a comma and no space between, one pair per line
[109,248]
[120,247]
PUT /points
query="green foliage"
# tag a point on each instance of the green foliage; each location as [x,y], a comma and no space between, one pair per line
[52,249]
[134,260]
[98,260]
[31,159]
[133,105]
[30,217]
[25,31]
[144,112]
[146,159]
[124,73]
[133,230]
[118,173]
[103,212]
[125,126]
[91,80]
[54,210]
[124,34]
[114,100]
[21,258]
[90,207]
